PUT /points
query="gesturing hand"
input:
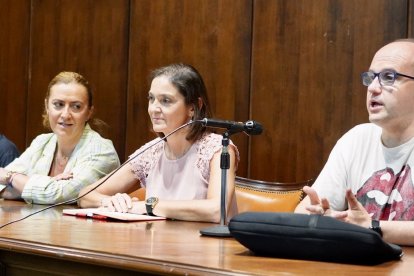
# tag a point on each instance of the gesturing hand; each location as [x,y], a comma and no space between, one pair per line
[321,206]
[356,213]
[317,206]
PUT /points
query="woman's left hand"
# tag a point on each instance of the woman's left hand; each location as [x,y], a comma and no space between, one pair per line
[63,176]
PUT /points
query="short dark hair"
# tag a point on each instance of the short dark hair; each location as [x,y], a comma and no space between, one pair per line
[190,84]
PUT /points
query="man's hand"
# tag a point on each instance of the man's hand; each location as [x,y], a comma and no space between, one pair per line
[321,206]
[356,213]
[316,207]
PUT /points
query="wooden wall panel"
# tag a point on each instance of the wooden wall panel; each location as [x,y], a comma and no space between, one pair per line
[410,32]
[292,65]
[14,49]
[306,61]
[89,37]
[213,36]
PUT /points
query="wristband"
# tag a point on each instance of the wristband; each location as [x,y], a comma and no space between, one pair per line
[375,226]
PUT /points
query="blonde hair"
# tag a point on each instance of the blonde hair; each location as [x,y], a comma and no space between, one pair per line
[72,77]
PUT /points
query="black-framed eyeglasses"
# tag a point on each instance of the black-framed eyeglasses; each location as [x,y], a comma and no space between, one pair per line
[385,77]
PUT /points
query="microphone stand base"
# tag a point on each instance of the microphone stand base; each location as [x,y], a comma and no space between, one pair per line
[216,231]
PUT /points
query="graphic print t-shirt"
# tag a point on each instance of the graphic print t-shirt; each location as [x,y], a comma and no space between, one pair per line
[380,177]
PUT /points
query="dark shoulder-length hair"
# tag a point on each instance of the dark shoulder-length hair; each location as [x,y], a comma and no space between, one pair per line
[188,81]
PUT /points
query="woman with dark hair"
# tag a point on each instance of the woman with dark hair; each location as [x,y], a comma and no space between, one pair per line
[57,165]
[181,174]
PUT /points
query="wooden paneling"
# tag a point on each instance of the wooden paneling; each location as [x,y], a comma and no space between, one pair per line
[410,31]
[213,36]
[86,37]
[292,65]
[14,49]
[306,61]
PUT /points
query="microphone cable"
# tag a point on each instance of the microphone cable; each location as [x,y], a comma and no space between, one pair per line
[70,201]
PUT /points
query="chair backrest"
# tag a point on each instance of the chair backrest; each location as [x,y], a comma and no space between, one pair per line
[263,196]
[138,193]
[260,196]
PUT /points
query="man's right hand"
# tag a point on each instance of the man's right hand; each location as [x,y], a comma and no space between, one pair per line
[321,206]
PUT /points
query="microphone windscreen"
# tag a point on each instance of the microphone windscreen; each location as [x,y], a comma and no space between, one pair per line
[253,128]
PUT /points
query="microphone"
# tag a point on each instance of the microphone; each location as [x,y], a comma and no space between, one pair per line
[249,127]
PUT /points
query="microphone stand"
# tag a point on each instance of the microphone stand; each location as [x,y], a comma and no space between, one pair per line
[222,230]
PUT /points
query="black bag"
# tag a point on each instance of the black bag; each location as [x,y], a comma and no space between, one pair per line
[310,237]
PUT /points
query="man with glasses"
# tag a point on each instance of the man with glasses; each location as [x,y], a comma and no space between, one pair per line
[368,178]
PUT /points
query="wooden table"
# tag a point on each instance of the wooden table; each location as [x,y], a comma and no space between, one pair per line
[49,242]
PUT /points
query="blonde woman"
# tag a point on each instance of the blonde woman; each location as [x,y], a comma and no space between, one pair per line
[57,165]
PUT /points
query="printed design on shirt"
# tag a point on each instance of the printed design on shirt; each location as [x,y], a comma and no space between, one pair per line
[387,196]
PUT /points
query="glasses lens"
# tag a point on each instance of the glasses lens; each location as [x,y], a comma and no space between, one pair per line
[387,77]
[367,78]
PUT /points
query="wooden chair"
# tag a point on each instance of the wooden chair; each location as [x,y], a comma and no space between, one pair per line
[262,196]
